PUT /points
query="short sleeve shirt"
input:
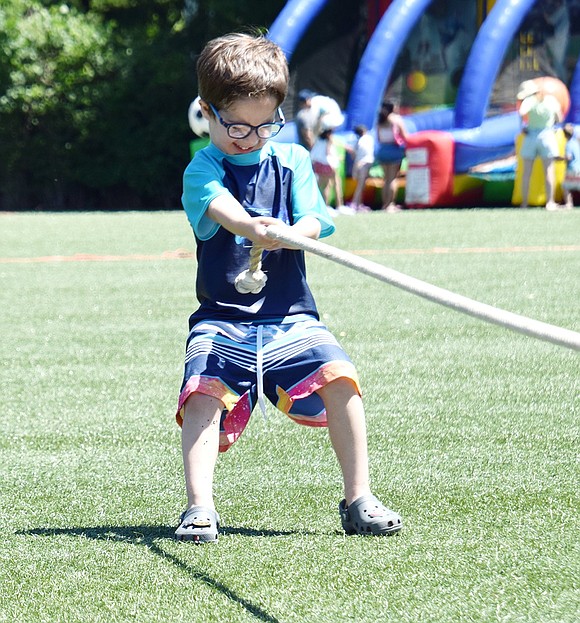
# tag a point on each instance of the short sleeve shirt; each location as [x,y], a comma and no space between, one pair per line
[573,156]
[541,113]
[276,181]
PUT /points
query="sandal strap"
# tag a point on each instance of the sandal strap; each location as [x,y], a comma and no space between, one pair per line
[199,524]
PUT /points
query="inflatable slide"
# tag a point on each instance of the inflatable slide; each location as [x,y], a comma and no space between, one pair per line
[517,40]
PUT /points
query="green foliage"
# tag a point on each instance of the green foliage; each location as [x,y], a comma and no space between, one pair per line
[94,97]
[58,63]
[56,56]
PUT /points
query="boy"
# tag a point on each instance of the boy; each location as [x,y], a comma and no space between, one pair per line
[242,347]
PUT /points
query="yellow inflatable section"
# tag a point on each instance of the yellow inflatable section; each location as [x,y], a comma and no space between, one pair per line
[537,195]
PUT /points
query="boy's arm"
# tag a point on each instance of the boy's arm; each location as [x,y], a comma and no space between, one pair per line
[308,226]
[230,214]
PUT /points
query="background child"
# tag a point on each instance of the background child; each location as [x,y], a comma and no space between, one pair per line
[325,162]
[314,112]
[391,132]
[242,347]
[364,157]
[572,155]
[539,113]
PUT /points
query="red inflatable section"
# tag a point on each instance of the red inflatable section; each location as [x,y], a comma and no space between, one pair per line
[430,159]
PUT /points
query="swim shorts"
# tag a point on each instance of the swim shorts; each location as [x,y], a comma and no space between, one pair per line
[540,143]
[239,364]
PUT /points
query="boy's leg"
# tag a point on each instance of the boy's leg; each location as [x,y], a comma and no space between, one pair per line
[361,512]
[348,435]
[200,447]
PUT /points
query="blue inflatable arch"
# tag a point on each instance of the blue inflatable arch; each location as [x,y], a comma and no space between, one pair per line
[483,64]
[482,67]
[292,23]
[379,58]
[574,114]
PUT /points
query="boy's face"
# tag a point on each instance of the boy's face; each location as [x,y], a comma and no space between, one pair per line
[249,111]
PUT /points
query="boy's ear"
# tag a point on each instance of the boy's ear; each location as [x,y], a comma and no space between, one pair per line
[205,110]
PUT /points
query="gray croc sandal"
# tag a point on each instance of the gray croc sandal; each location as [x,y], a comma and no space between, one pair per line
[198,524]
[366,515]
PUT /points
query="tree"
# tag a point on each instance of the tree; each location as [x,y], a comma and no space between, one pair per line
[94,97]
[58,61]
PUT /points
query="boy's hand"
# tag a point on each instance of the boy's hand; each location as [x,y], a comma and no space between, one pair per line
[308,226]
[259,225]
[226,211]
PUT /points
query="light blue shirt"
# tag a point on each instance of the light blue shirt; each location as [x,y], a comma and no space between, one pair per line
[573,156]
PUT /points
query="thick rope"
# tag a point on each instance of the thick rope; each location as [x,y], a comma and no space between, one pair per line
[528,326]
[253,279]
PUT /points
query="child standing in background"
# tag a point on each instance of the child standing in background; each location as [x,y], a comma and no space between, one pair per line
[391,134]
[572,155]
[364,157]
[326,163]
[539,112]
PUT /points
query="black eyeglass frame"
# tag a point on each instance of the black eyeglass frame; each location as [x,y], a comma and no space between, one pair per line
[276,126]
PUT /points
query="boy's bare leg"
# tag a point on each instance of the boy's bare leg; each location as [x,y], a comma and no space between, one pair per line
[200,447]
[347,430]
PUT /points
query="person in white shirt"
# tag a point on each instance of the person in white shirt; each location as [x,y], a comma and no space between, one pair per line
[364,157]
[315,112]
[326,163]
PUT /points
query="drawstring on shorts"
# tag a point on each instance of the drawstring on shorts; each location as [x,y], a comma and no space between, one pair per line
[260,369]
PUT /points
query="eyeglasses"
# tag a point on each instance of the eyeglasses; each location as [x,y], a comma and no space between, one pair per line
[243,130]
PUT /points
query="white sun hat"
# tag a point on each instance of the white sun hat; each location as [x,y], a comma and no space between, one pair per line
[527,88]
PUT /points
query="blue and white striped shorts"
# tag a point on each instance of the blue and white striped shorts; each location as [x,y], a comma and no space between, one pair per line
[286,362]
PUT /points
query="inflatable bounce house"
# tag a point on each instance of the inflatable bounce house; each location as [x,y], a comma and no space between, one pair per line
[453,67]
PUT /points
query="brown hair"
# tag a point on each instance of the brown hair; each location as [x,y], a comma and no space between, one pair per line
[238,66]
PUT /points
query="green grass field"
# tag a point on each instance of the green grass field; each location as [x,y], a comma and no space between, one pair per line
[474,432]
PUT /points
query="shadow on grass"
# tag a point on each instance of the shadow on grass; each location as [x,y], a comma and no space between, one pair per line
[149,537]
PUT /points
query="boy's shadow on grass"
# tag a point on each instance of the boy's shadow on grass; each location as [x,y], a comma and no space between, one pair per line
[149,537]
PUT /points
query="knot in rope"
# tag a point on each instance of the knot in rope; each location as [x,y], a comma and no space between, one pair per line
[253,279]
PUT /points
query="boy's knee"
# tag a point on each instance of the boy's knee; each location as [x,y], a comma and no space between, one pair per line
[198,404]
[342,385]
